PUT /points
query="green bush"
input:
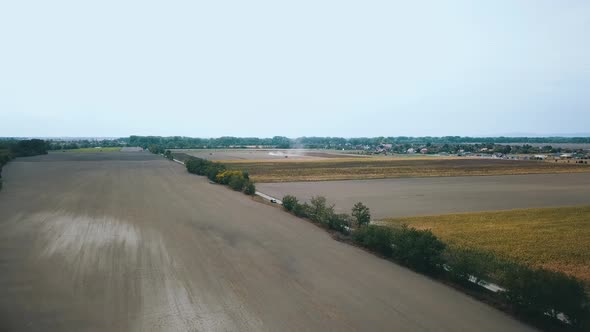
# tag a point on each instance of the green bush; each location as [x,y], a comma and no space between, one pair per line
[197,165]
[156,148]
[340,222]
[213,169]
[217,172]
[226,176]
[302,210]
[237,182]
[375,238]
[540,293]
[250,188]
[418,249]
[319,211]
[290,202]
[465,262]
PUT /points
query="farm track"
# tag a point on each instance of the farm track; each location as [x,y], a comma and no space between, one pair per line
[132,242]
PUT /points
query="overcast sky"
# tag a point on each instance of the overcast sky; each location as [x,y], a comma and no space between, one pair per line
[298,68]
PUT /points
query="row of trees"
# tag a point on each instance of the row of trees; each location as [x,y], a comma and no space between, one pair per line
[71,144]
[539,295]
[218,173]
[24,148]
[323,214]
[181,142]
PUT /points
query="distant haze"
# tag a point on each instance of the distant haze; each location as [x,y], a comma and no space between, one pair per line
[303,68]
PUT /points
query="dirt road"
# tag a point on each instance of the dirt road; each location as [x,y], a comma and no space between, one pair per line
[132,242]
[438,195]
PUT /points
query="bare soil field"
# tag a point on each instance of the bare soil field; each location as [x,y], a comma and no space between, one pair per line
[554,238]
[132,242]
[438,195]
[388,167]
[263,154]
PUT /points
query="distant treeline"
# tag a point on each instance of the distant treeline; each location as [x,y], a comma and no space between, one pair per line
[181,142]
[400,144]
[538,295]
[12,148]
[23,148]
[84,143]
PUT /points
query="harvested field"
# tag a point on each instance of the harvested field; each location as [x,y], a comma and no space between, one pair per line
[424,196]
[379,168]
[91,150]
[132,242]
[554,238]
[263,154]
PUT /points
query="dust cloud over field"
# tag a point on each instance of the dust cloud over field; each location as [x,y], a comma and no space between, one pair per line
[437,195]
[132,242]
[264,154]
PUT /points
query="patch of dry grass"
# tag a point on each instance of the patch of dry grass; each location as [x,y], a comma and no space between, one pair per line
[554,238]
[387,167]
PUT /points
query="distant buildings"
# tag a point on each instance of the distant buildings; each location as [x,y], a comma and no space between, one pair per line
[384,148]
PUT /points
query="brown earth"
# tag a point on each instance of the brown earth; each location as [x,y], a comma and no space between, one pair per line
[132,242]
[389,167]
[438,195]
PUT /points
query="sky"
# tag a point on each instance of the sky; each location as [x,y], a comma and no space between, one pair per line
[294,68]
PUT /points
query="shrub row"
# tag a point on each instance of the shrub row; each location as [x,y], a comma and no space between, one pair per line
[218,173]
[542,296]
[418,249]
[319,212]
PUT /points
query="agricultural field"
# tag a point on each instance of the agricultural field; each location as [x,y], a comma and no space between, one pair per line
[391,167]
[91,150]
[438,195]
[128,241]
[262,154]
[554,238]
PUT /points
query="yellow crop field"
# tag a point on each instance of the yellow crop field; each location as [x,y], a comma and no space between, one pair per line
[555,238]
[380,168]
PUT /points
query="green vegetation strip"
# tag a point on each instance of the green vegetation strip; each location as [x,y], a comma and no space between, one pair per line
[216,172]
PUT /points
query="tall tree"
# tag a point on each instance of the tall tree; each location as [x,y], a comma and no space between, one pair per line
[361,214]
